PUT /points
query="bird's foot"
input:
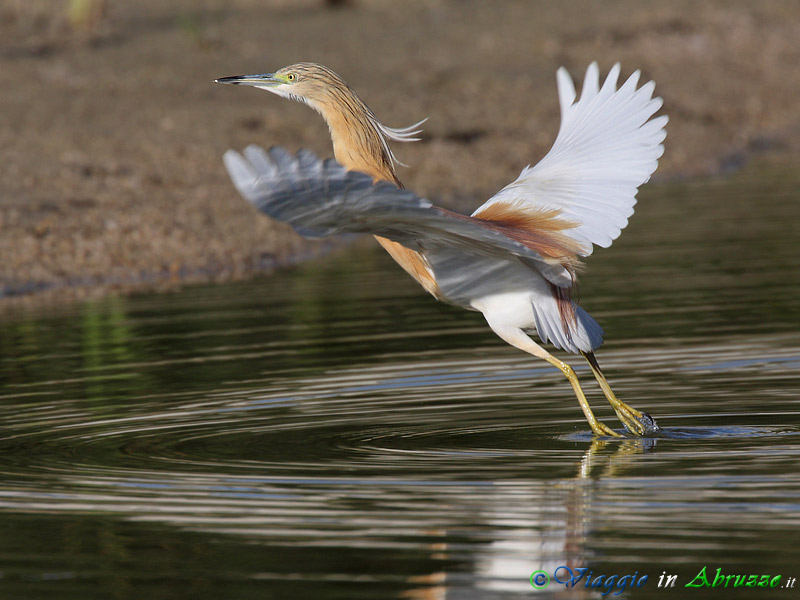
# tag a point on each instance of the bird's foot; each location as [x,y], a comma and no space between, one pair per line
[601,429]
[637,422]
[649,423]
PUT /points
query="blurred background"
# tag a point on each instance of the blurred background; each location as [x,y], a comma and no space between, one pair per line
[112,130]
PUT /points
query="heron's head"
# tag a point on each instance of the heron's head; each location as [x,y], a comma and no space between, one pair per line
[360,141]
[307,82]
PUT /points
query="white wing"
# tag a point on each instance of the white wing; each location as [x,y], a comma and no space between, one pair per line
[607,146]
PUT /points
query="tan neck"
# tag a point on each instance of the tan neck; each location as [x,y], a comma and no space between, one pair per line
[357,146]
[356,143]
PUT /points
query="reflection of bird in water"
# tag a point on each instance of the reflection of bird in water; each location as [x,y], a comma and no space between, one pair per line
[515,259]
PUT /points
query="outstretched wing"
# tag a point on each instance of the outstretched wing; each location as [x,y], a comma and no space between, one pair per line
[321,198]
[607,146]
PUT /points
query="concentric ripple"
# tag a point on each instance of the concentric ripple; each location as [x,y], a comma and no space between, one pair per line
[331,432]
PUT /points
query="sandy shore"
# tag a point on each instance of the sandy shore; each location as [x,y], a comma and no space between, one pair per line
[112,137]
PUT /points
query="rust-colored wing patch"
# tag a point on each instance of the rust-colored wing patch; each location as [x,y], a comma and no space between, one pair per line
[538,230]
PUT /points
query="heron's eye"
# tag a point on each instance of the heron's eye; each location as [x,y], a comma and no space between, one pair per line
[291,77]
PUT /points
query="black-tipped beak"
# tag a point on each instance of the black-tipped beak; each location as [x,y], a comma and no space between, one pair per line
[263,80]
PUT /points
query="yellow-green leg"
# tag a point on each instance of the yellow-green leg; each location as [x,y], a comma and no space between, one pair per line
[635,421]
[519,339]
[598,427]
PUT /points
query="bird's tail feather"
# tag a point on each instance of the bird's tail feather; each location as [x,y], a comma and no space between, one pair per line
[574,332]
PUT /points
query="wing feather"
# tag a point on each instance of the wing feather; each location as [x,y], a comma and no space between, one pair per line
[607,145]
[322,198]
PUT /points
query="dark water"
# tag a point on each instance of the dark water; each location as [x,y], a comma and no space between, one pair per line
[332,432]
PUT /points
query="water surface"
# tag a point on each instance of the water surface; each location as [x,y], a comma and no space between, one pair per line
[332,432]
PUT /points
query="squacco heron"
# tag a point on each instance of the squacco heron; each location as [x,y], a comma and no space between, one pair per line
[516,257]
